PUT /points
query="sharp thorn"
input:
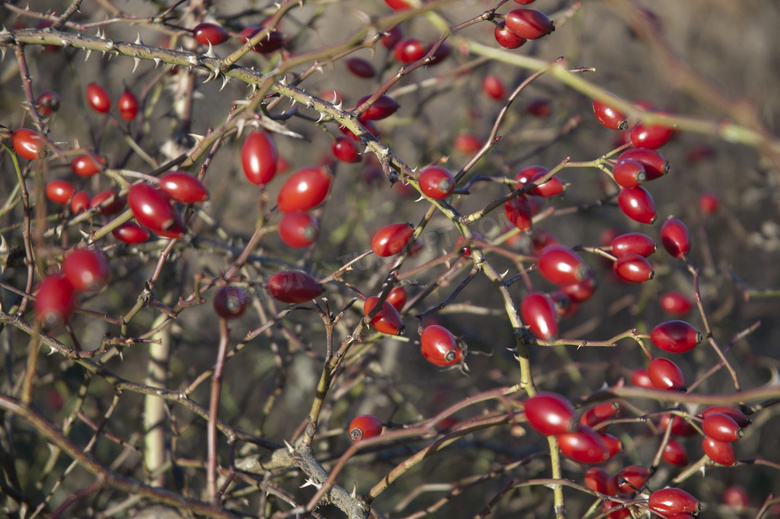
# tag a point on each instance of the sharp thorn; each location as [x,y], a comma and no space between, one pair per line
[156,62]
[225,80]
[138,40]
[89,53]
[136,61]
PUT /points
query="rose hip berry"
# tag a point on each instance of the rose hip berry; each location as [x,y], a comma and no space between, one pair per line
[540,315]
[529,23]
[128,105]
[665,374]
[55,301]
[305,189]
[655,164]
[436,182]
[637,204]
[387,320]
[364,427]
[298,229]
[392,239]
[633,268]
[86,269]
[560,265]
[212,33]
[59,191]
[507,38]
[98,98]
[152,208]
[675,303]
[292,286]
[259,158]
[230,302]
[670,501]
[183,187]
[28,144]
[675,237]
[629,173]
[550,414]
[360,67]
[493,86]
[633,242]
[439,346]
[585,446]
[383,107]
[721,427]
[719,452]
[675,336]
[608,116]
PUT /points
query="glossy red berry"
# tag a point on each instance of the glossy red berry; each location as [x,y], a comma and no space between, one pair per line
[560,265]
[259,158]
[360,67]
[629,173]
[633,268]
[640,378]
[540,315]
[305,189]
[130,233]
[100,201]
[87,164]
[529,23]
[397,297]
[98,98]
[670,501]
[632,478]
[675,336]
[292,286]
[466,143]
[709,203]
[28,144]
[507,38]
[47,103]
[585,446]
[183,187]
[59,191]
[675,237]
[519,212]
[680,426]
[737,415]
[86,269]
[364,427]
[387,319]
[345,150]
[633,243]
[655,164]
[392,239]
[266,45]
[581,291]
[650,136]
[531,174]
[439,346]
[383,107]
[408,50]
[637,204]
[608,116]
[675,303]
[79,202]
[493,86]
[613,443]
[721,427]
[212,33]
[719,452]
[541,239]
[230,302]
[128,105]
[675,453]
[152,208]
[564,307]
[298,229]
[665,374]
[436,182]
[550,414]
[55,301]
[599,413]
[599,480]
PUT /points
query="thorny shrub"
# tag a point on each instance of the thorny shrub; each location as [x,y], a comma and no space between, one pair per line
[190,195]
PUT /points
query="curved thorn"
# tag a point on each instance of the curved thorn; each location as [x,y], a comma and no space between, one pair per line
[225,80]
[89,53]
[138,40]
[136,61]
